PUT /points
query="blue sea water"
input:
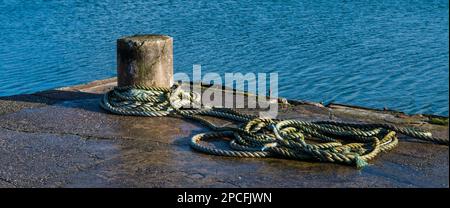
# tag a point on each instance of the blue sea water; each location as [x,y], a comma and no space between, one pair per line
[392,54]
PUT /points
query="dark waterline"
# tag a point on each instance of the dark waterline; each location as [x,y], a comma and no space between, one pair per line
[377,54]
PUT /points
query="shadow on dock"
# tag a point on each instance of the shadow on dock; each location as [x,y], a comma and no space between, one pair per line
[62,138]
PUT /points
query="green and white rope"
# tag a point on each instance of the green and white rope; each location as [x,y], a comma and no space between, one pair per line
[326,141]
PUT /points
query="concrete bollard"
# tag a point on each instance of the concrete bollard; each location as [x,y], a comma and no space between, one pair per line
[145,60]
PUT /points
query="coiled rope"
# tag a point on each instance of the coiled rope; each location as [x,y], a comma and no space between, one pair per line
[327,141]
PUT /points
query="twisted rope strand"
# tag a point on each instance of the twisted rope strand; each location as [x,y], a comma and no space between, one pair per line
[326,141]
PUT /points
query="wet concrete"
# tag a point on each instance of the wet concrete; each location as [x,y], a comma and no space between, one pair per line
[61,138]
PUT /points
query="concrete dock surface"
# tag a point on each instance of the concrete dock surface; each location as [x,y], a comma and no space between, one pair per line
[62,138]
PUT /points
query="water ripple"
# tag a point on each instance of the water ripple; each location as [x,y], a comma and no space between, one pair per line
[373,53]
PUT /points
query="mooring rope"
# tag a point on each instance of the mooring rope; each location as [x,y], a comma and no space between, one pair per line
[327,141]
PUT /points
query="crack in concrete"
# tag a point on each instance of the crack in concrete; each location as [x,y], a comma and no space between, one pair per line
[87,137]
[8,181]
[230,183]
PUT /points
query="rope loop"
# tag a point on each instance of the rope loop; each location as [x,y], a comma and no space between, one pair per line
[326,141]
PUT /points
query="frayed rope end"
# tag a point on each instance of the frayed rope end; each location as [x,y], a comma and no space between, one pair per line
[360,163]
